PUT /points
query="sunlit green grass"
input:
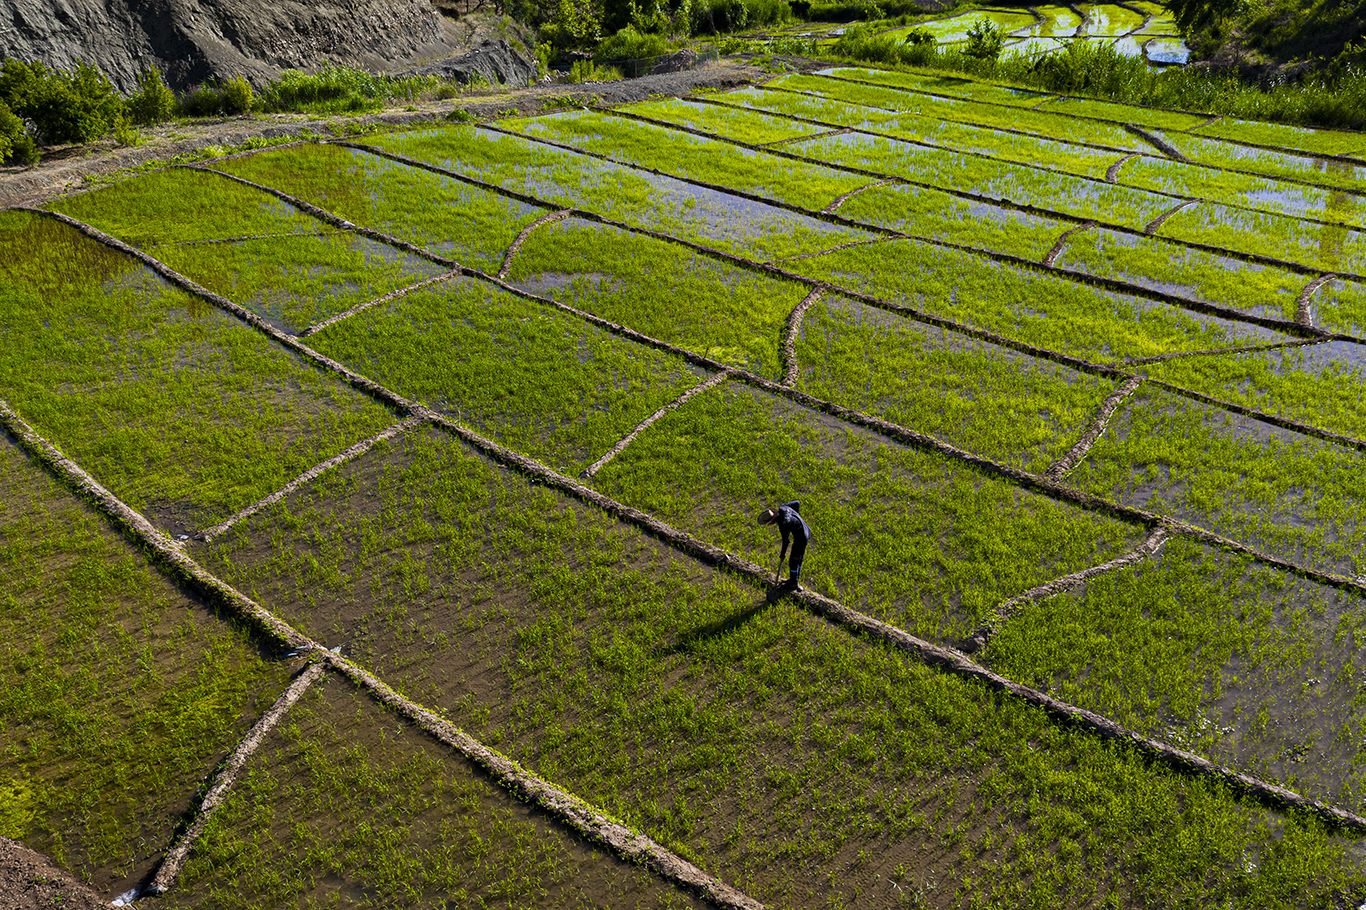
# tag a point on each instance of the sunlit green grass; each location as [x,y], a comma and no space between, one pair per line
[294,282]
[936,83]
[345,803]
[1319,386]
[152,208]
[1265,193]
[1047,311]
[1322,171]
[1340,306]
[906,92]
[756,740]
[1330,247]
[548,384]
[723,311]
[985,177]
[937,215]
[1253,668]
[635,197]
[905,536]
[684,155]
[1146,117]
[177,407]
[987,399]
[470,225]
[1293,496]
[120,692]
[1224,281]
[1330,142]
[754,128]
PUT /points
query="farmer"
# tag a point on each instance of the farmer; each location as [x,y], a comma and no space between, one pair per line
[789,521]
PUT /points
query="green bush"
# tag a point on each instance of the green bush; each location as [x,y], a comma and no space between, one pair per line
[588,71]
[202,102]
[630,44]
[75,107]
[985,41]
[16,145]
[154,101]
[340,89]
[718,16]
[575,26]
[237,96]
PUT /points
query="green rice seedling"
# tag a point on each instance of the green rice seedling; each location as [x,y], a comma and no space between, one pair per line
[1012,183]
[178,205]
[1286,136]
[470,225]
[1330,247]
[754,128]
[346,802]
[119,692]
[904,536]
[1340,306]
[1058,22]
[936,83]
[987,399]
[175,406]
[1047,311]
[1224,281]
[804,765]
[627,194]
[687,156]
[1145,117]
[1250,667]
[547,384]
[1325,172]
[956,28]
[296,281]
[1110,20]
[1283,493]
[884,89]
[1319,386]
[1243,190]
[942,216]
[720,310]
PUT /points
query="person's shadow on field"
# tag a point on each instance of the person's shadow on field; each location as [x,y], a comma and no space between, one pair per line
[689,641]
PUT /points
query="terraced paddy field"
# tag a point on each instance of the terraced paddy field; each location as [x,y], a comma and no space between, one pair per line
[378,519]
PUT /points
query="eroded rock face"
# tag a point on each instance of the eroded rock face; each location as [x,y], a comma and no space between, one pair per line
[197,41]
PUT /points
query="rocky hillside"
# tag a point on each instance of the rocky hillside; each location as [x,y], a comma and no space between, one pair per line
[196,41]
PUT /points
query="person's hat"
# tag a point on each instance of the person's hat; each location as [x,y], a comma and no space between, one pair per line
[768,516]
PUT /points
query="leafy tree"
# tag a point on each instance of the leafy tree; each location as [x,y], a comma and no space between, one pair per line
[75,107]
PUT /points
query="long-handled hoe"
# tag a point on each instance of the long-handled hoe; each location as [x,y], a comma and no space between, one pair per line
[773,588]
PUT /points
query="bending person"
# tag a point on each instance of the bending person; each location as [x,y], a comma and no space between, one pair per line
[789,521]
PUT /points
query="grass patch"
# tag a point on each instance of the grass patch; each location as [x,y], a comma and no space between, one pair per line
[1054,313]
[121,693]
[296,281]
[760,741]
[1190,274]
[905,536]
[1293,496]
[546,384]
[728,313]
[151,209]
[178,408]
[693,157]
[981,397]
[627,194]
[472,226]
[1235,661]
[346,803]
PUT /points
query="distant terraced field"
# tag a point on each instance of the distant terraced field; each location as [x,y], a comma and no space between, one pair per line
[378,518]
